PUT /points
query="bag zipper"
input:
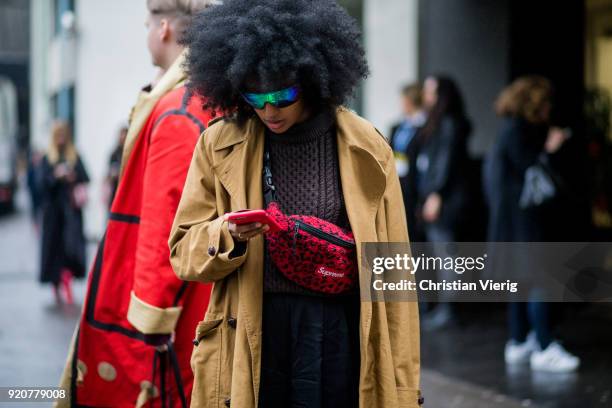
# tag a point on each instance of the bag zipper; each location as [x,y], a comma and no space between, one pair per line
[321,234]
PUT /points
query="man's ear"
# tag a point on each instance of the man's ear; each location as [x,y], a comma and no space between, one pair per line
[164,29]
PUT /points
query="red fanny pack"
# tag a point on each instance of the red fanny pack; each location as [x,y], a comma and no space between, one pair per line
[314,253]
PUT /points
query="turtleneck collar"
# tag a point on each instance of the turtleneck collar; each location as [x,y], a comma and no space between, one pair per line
[309,130]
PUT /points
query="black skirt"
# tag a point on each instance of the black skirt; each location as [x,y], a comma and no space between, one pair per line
[310,351]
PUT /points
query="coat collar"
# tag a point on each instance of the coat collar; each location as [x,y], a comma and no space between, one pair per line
[251,130]
[173,78]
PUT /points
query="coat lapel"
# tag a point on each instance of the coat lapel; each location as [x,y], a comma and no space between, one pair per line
[240,174]
[231,173]
[362,176]
[245,158]
[363,185]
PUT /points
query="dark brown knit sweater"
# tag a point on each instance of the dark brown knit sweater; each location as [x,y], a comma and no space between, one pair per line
[305,172]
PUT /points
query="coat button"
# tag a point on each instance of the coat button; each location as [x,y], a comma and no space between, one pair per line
[211,250]
[232,322]
[228,402]
[421,400]
[106,371]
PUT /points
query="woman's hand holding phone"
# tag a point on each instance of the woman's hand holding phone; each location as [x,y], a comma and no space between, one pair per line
[244,232]
[246,224]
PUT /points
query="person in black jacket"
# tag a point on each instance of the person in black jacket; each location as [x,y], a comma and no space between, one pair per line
[440,179]
[442,154]
[63,177]
[525,136]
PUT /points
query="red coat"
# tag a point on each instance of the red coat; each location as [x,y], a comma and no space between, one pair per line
[134,299]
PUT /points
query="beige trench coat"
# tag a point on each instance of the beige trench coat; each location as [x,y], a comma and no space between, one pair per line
[225,175]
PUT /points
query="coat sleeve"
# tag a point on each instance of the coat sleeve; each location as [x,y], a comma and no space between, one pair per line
[201,247]
[154,305]
[402,316]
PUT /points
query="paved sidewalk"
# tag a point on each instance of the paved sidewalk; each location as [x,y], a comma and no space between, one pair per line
[471,354]
[445,392]
[34,331]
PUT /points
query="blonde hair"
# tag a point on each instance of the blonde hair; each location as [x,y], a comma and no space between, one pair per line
[526,98]
[180,12]
[184,7]
[69,152]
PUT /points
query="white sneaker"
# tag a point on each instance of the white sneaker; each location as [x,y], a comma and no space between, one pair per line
[519,353]
[554,359]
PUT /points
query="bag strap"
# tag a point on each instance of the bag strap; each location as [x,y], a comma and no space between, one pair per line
[177,374]
[166,358]
[269,189]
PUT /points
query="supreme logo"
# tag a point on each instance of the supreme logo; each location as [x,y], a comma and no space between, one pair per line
[326,272]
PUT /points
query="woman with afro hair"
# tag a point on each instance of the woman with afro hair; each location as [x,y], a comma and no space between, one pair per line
[277,73]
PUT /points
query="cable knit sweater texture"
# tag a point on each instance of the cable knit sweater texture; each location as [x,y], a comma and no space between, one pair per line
[305,172]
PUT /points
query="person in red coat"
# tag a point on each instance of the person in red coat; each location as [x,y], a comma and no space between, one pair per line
[134,341]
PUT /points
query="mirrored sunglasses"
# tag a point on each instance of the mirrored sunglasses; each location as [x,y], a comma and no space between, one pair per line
[280,99]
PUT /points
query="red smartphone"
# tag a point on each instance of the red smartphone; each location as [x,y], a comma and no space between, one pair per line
[250,216]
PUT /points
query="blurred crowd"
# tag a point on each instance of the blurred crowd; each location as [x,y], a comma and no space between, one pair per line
[522,189]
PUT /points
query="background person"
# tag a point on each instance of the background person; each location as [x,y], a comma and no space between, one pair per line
[525,135]
[281,70]
[440,178]
[62,177]
[403,143]
[134,340]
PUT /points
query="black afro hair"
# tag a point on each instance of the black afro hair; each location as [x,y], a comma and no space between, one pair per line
[313,43]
